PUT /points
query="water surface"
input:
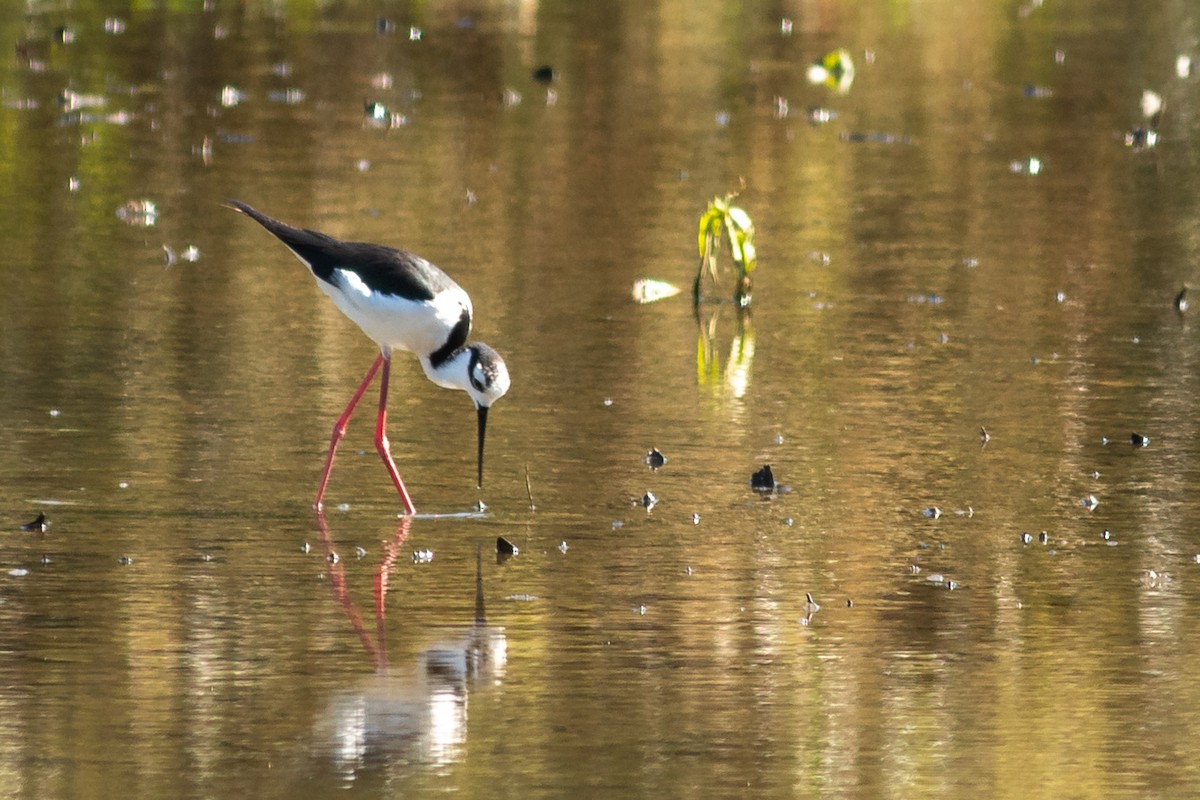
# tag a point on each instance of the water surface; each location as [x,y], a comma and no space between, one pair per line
[182,631]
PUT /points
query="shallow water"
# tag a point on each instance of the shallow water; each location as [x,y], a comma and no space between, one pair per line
[181,629]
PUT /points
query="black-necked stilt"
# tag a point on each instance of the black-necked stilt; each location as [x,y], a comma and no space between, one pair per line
[404,303]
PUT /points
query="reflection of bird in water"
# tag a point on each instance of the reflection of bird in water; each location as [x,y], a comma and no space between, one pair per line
[417,712]
[404,303]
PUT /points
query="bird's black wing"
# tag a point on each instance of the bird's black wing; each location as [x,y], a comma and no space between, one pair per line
[385,269]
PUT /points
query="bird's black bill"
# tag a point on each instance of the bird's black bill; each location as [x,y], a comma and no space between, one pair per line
[482,411]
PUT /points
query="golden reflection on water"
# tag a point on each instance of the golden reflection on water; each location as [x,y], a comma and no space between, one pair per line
[171,635]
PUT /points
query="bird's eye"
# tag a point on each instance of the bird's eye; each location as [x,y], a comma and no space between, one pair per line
[479,376]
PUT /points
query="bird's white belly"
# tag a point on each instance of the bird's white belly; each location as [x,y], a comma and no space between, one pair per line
[396,323]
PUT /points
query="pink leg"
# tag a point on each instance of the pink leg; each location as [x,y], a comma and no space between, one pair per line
[381,440]
[339,428]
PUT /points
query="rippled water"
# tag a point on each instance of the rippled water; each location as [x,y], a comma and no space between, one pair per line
[183,630]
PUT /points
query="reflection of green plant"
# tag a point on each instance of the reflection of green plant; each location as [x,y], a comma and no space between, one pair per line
[738,230]
[736,370]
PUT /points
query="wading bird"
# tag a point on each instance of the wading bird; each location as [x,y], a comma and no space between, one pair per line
[404,303]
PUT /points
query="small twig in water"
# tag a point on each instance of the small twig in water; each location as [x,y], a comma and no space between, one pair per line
[529,489]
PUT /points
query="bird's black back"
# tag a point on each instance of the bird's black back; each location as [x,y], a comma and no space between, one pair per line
[385,269]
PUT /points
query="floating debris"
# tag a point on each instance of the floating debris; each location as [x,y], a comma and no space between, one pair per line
[1144,138]
[138,213]
[191,254]
[1181,302]
[18,572]
[1183,66]
[785,27]
[1137,440]
[377,115]
[1153,579]
[64,35]
[422,556]
[835,70]
[125,561]
[291,96]
[415,34]
[38,525]
[231,96]
[1152,107]
[1030,166]
[384,26]
[763,480]
[115,26]
[655,459]
[1038,92]
[506,548]
[73,101]
[1141,138]
[857,137]
[649,290]
[21,104]
[818,115]
[544,74]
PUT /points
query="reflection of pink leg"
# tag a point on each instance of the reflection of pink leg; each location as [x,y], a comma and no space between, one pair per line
[339,428]
[382,575]
[337,584]
[381,440]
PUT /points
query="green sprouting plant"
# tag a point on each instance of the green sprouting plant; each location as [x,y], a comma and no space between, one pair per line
[724,221]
